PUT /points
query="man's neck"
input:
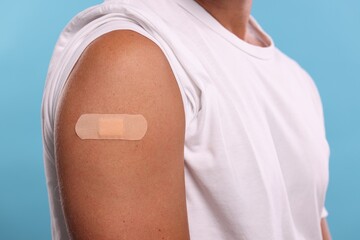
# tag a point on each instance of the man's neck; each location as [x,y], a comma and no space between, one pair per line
[232,14]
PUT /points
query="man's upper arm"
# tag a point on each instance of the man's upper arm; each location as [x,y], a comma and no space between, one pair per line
[120,189]
[325,231]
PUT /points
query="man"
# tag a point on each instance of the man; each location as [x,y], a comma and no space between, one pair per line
[235,146]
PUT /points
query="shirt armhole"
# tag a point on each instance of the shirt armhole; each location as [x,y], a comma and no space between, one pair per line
[127,25]
[324,212]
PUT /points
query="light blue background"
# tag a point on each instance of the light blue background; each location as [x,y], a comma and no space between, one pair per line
[323,36]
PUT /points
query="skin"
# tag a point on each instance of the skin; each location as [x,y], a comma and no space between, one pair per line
[325,229]
[118,189]
[234,15]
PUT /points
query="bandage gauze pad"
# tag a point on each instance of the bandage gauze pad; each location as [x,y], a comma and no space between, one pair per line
[111,126]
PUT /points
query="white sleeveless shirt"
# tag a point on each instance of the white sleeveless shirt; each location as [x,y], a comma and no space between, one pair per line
[256,154]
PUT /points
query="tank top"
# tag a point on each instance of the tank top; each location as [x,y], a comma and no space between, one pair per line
[256,153]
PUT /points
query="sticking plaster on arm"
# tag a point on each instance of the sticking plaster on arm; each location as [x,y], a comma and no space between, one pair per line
[111,126]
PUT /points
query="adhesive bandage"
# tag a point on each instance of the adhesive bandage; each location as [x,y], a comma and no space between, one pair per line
[111,126]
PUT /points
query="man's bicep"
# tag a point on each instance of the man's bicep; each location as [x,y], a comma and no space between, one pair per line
[112,189]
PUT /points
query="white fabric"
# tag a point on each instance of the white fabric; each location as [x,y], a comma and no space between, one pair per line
[256,153]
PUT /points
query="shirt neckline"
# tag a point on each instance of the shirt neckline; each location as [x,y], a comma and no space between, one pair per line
[204,16]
